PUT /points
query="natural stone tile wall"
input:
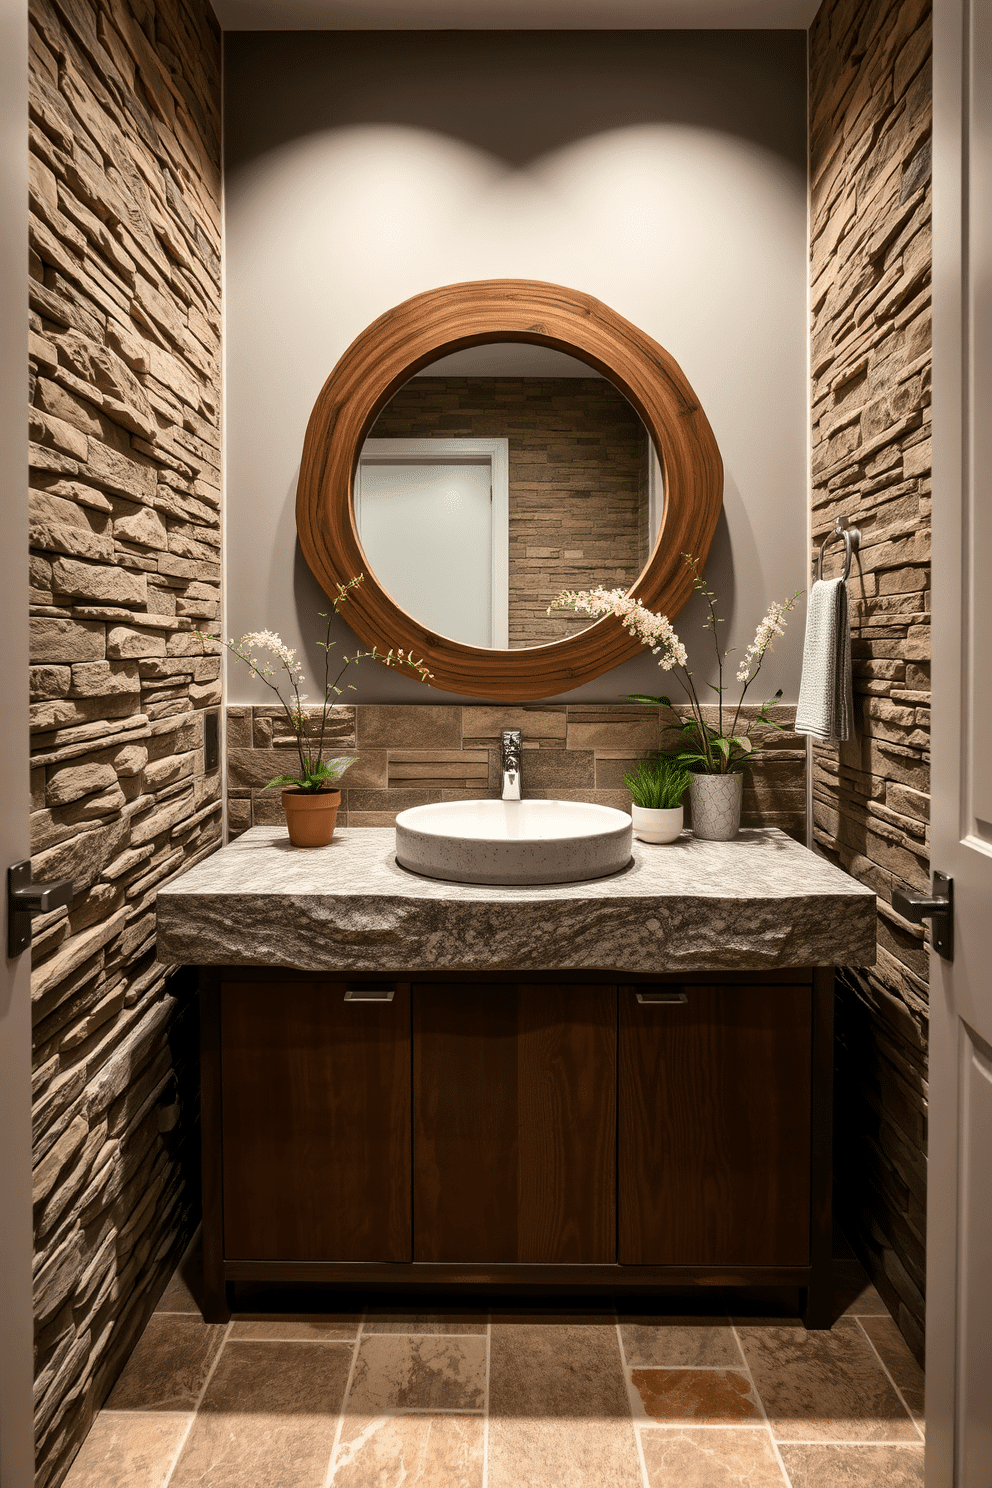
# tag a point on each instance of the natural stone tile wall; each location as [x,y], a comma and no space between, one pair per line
[410,755]
[125,562]
[870,119]
[578,499]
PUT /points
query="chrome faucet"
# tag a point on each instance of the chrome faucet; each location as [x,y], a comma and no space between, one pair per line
[510,746]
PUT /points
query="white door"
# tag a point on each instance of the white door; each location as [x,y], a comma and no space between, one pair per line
[16,1427]
[432,518]
[959,1224]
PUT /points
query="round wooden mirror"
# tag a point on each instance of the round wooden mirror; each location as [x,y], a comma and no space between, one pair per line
[440,321]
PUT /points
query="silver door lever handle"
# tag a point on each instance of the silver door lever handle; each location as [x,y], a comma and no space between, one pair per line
[937,907]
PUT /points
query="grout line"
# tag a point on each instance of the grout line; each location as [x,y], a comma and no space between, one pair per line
[196,1406]
[625,1370]
[306,1342]
[731,1368]
[771,1435]
[485,1403]
[331,1466]
[889,1377]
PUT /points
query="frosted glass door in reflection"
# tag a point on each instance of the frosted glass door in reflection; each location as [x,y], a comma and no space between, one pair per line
[435,537]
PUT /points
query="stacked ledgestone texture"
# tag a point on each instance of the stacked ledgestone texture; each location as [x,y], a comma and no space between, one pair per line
[125,563]
[870,122]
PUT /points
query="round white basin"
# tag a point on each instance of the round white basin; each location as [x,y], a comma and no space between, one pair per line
[513,842]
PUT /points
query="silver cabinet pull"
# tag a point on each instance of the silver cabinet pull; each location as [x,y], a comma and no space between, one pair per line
[650,998]
[369,994]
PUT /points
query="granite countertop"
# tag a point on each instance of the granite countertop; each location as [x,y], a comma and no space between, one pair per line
[760,902]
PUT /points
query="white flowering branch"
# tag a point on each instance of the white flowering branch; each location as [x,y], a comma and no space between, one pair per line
[315,771]
[714,751]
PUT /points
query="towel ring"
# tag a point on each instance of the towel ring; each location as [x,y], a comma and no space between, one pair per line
[852,546]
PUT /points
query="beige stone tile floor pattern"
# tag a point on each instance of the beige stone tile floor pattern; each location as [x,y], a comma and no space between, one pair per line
[511,1397]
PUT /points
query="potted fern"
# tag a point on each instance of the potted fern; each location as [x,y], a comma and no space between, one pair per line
[657,788]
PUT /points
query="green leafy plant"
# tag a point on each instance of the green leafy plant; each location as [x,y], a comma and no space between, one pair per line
[658,784]
[727,748]
[310,727]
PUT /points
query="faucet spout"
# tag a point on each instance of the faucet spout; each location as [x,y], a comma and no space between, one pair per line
[511,744]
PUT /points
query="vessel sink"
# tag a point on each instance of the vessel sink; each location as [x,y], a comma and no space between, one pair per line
[513,842]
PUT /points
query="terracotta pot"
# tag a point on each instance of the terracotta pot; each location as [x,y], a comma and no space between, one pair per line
[310,816]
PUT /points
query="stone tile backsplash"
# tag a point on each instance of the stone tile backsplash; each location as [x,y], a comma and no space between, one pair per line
[411,755]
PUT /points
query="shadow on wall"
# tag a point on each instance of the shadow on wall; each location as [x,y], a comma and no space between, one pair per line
[316,81]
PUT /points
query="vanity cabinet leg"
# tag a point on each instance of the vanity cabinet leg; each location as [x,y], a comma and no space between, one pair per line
[216,1302]
[818,1302]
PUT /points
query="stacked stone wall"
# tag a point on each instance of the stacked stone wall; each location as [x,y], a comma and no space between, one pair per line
[125,563]
[870,127]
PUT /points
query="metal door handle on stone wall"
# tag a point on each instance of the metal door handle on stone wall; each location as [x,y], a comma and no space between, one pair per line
[26,898]
[937,907]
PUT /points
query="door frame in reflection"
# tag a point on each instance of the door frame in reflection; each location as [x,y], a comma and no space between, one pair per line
[495,453]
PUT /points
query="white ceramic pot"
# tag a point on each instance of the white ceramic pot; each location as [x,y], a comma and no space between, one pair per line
[716,806]
[651,825]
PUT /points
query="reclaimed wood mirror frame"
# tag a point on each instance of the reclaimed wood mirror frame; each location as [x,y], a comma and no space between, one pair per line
[429,326]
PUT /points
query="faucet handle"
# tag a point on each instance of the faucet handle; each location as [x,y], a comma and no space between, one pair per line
[512,743]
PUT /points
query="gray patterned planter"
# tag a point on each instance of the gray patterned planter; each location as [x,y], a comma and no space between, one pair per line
[716,806]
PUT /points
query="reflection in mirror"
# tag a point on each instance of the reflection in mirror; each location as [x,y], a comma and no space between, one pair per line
[497,477]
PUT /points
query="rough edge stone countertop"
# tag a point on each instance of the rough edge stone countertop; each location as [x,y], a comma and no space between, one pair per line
[761,902]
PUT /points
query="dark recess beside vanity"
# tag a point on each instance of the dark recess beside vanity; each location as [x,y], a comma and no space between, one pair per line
[469,1118]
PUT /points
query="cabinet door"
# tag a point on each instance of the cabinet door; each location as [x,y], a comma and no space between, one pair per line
[714,1117]
[514,1123]
[316,1122]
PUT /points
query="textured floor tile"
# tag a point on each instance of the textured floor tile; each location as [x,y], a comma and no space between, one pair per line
[679,1341]
[401,1320]
[315,1329]
[268,1418]
[128,1449]
[824,1386]
[417,1451]
[898,1359]
[854,1295]
[168,1367]
[559,1413]
[396,1371]
[851,1466]
[707,1457]
[719,1397]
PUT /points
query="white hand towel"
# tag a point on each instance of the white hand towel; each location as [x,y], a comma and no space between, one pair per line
[826,695]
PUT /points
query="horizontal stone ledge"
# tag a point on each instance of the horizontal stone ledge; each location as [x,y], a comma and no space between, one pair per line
[143,618]
[88,732]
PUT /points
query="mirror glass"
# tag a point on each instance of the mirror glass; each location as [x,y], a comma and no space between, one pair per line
[495,478]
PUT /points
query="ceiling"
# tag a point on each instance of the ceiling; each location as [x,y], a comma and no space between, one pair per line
[512,15]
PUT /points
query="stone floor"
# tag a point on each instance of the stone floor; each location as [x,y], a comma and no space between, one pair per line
[511,1397]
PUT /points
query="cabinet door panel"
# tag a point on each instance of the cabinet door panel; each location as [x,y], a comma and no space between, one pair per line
[514,1123]
[714,1126]
[316,1119]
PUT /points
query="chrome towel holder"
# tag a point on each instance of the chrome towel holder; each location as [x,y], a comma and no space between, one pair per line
[852,546]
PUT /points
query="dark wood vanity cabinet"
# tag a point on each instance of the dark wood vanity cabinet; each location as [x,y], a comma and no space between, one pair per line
[514,1124]
[315,1121]
[714,1125]
[536,1130]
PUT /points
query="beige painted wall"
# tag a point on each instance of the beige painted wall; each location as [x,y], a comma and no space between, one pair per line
[664,172]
